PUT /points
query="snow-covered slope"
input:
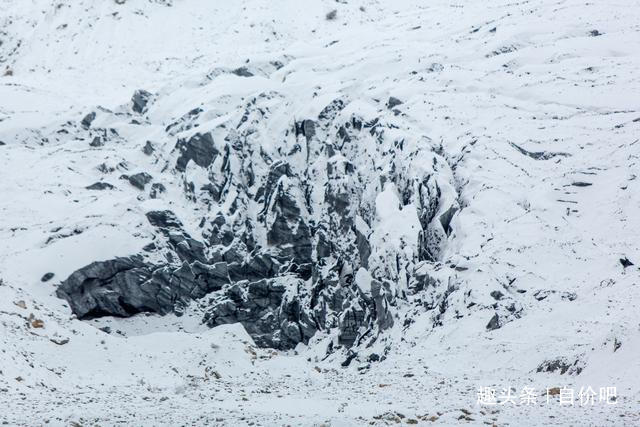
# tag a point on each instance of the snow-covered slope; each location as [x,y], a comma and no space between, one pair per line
[300,217]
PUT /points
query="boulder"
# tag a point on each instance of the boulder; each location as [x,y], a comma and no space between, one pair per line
[123,287]
[200,148]
[140,99]
[100,186]
[87,120]
[140,180]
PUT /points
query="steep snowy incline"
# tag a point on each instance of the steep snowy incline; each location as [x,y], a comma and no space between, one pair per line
[408,202]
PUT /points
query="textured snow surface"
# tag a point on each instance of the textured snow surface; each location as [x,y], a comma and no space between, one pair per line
[534,107]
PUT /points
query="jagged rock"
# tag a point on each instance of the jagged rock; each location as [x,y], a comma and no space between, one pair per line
[350,357]
[445,219]
[242,72]
[140,100]
[393,102]
[286,227]
[625,262]
[157,189]
[163,219]
[200,148]
[140,180]
[269,309]
[182,244]
[339,195]
[100,186]
[87,120]
[379,295]
[306,128]
[544,294]
[97,142]
[47,277]
[148,148]
[494,323]
[125,286]
[350,322]
[497,295]
[259,266]
[562,365]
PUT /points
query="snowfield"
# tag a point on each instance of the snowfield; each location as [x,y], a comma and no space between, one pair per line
[445,194]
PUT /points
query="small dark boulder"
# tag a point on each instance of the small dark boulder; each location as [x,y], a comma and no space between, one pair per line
[625,262]
[156,189]
[100,186]
[140,100]
[349,359]
[494,323]
[148,148]
[139,180]
[47,277]
[393,102]
[97,142]
[242,72]
[497,295]
[87,120]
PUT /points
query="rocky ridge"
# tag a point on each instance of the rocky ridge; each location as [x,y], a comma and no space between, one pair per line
[331,227]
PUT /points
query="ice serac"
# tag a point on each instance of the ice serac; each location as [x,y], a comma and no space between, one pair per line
[319,224]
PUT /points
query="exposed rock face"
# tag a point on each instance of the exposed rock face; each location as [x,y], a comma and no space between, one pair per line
[126,286]
[329,228]
[269,309]
[87,120]
[200,148]
[140,180]
[140,100]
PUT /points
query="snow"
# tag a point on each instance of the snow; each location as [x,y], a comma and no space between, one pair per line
[541,81]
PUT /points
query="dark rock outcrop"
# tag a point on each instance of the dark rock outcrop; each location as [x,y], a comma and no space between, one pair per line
[87,120]
[157,189]
[140,100]
[140,180]
[100,186]
[47,277]
[625,262]
[393,102]
[269,309]
[562,366]
[126,286]
[148,148]
[494,323]
[242,72]
[294,238]
[200,148]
